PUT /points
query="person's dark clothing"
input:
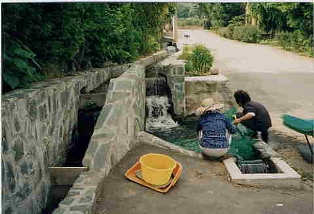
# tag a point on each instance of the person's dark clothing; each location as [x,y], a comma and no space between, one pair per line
[260,122]
[214,125]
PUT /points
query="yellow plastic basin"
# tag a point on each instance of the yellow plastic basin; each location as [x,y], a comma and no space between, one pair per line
[157,168]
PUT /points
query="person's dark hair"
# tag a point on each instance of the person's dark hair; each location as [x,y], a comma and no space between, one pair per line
[241,97]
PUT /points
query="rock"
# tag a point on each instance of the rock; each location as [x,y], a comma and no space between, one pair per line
[171,49]
[265,150]
[306,154]
[214,71]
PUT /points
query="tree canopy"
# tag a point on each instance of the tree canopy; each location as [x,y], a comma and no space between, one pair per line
[47,39]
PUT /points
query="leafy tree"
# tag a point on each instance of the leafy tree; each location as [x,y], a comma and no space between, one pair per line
[48,39]
[271,19]
[222,13]
[299,16]
[183,10]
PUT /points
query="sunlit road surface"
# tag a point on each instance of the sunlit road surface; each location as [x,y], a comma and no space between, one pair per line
[281,80]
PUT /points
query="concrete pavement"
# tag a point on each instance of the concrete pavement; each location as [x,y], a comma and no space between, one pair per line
[202,188]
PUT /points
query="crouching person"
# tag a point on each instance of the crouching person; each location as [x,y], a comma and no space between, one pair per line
[214,129]
[254,116]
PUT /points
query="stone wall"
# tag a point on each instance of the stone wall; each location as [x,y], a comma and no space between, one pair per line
[121,117]
[115,133]
[37,125]
[174,71]
[201,87]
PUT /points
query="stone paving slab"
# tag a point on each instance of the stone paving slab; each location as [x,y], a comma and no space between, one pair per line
[202,188]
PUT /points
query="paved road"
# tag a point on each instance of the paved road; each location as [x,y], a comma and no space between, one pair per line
[282,81]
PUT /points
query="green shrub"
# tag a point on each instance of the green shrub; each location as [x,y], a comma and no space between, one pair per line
[295,41]
[186,53]
[21,65]
[237,21]
[188,67]
[226,32]
[249,34]
[215,29]
[190,22]
[198,60]
[201,59]
[284,39]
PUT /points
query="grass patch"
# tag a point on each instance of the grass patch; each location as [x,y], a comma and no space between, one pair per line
[198,59]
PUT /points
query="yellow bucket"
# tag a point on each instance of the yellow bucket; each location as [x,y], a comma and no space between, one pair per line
[157,168]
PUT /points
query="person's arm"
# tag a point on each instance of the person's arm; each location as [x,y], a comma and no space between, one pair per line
[248,111]
[231,128]
[247,116]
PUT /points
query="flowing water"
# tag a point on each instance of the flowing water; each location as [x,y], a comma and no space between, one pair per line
[156,86]
[158,105]
[158,117]
[184,134]
[159,121]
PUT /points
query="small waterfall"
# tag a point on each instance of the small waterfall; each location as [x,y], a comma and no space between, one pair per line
[158,116]
[156,86]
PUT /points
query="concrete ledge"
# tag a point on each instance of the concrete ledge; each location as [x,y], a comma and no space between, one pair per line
[156,57]
[150,139]
[81,198]
[287,178]
[98,99]
[65,175]
[211,78]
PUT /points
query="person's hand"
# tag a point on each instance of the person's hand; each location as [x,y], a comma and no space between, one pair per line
[236,121]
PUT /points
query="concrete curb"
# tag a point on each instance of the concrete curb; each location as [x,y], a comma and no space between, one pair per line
[150,139]
[285,178]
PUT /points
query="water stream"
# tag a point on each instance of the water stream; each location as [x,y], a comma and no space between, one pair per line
[156,86]
[158,117]
[183,135]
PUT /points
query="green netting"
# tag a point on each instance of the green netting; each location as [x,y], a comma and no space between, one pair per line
[299,125]
[186,137]
[187,143]
[242,143]
[230,113]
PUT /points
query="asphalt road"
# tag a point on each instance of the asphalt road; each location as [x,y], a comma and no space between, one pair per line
[281,80]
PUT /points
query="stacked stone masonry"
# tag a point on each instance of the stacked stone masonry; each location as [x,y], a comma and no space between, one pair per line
[115,133]
[37,125]
[201,87]
[174,71]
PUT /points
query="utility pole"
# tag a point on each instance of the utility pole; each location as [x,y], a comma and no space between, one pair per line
[175,27]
